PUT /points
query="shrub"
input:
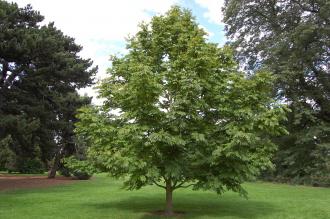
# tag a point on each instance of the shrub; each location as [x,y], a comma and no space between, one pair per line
[8,158]
[64,171]
[79,168]
[30,166]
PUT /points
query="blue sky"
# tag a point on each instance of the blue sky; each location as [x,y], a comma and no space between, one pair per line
[101,26]
[211,23]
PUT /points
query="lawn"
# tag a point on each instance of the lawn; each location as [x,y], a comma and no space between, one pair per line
[103,197]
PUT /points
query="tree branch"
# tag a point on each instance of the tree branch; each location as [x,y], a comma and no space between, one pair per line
[4,71]
[181,185]
[186,186]
[11,78]
[305,8]
[157,184]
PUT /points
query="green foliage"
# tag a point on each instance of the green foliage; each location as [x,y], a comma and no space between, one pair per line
[81,169]
[291,39]
[64,171]
[40,71]
[77,164]
[7,156]
[30,166]
[178,112]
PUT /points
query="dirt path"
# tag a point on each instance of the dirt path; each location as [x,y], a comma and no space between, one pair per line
[8,182]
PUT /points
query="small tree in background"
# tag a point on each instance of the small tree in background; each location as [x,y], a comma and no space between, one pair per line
[177,113]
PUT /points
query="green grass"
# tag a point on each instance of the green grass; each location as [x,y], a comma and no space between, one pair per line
[5,173]
[103,198]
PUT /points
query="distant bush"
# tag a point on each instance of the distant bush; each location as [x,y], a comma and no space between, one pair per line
[64,171]
[79,168]
[30,166]
[314,180]
[8,158]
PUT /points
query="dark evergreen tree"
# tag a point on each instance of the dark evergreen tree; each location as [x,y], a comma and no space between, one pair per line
[40,72]
[291,38]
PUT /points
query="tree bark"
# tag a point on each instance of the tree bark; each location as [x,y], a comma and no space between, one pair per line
[169,198]
[4,71]
[52,171]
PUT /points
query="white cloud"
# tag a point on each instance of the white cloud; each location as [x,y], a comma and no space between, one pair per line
[100,24]
[98,19]
[213,7]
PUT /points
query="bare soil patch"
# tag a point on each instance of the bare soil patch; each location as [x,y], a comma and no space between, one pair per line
[162,213]
[8,182]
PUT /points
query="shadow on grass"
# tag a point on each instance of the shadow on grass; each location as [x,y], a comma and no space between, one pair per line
[193,206]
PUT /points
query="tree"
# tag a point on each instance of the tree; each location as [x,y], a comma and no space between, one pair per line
[291,39]
[177,113]
[65,136]
[40,71]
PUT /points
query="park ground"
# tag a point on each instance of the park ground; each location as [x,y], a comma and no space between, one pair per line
[103,197]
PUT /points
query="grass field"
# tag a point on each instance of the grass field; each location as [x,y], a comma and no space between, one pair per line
[103,198]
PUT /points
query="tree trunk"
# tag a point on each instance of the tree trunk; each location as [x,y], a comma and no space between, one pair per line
[52,171]
[4,71]
[169,198]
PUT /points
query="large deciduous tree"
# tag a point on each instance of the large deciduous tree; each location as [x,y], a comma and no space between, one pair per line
[40,72]
[291,39]
[178,113]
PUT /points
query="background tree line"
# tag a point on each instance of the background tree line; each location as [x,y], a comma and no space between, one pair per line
[40,72]
[291,38]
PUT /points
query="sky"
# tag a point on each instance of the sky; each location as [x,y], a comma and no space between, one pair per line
[101,26]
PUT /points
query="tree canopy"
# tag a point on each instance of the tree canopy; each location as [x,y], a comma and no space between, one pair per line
[291,39]
[40,72]
[178,113]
